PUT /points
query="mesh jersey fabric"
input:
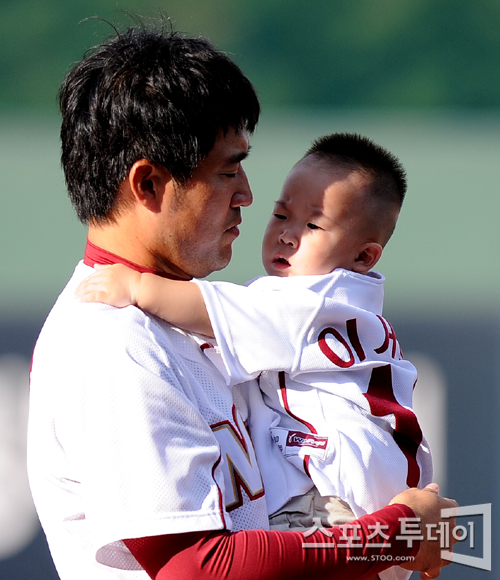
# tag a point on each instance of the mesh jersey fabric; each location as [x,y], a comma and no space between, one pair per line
[132,433]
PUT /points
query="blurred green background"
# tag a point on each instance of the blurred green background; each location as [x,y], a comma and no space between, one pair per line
[420,77]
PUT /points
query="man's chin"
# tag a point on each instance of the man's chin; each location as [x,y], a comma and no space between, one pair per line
[214,265]
[220,266]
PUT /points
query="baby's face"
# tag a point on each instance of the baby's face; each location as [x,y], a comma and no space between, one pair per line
[317,224]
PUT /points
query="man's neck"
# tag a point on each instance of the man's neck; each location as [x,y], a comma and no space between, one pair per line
[115,239]
[96,255]
[109,244]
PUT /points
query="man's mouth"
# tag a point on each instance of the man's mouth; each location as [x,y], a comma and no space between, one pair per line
[234,229]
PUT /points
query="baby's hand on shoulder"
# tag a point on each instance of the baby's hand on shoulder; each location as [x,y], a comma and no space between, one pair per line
[116,285]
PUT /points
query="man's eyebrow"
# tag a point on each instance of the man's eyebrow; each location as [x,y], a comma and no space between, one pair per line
[238,157]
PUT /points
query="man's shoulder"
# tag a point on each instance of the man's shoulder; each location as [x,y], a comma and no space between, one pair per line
[94,328]
[87,349]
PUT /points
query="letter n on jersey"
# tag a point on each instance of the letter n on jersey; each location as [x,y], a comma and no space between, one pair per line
[239,462]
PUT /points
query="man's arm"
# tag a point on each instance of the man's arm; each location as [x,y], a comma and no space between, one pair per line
[428,509]
[272,555]
[178,302]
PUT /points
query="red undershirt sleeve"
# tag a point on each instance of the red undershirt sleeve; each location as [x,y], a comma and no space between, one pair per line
[272,555]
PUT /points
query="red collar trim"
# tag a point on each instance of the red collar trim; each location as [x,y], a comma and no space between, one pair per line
[95,255]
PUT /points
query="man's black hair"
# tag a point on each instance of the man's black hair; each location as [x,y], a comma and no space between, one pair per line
[146,94]
[351,150]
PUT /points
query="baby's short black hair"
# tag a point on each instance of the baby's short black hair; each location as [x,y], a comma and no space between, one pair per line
[386,177]
[351,150]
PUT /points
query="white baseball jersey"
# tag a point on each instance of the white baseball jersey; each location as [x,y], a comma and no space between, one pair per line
[342,409]
[132,433]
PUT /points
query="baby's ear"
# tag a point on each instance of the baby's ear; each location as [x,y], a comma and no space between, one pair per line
[367,258]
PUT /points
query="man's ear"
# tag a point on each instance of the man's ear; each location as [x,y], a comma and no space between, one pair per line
[367,258]
[148,184]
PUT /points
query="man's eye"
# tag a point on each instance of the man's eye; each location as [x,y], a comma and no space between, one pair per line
[280,216]
[313,226]
[231,175]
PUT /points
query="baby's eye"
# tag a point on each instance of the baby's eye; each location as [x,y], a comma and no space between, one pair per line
[231,175]
[280,216]
[313,226]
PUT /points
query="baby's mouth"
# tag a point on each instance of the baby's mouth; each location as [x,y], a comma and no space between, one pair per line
[281,262]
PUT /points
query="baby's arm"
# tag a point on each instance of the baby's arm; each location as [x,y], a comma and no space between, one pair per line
[178,302]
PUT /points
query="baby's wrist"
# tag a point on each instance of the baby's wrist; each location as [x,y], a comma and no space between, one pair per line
[135,288]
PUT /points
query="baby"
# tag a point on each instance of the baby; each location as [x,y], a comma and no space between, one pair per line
[337,390]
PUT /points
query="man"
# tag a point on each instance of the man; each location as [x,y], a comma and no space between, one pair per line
[139,459]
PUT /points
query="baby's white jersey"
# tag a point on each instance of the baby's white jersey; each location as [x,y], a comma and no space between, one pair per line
[132,433]
[342,409]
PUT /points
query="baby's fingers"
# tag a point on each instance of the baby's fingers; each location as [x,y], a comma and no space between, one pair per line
[91,290]
[89,295]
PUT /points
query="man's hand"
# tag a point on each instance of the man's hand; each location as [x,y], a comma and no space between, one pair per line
[116,285]
[427,505]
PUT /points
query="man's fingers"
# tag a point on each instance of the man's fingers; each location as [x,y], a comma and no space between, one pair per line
[434,487]
[429,574]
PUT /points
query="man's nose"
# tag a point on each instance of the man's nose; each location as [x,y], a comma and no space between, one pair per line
[243,196]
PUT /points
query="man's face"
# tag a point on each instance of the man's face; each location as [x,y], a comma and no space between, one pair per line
[200,222]
[317,224]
